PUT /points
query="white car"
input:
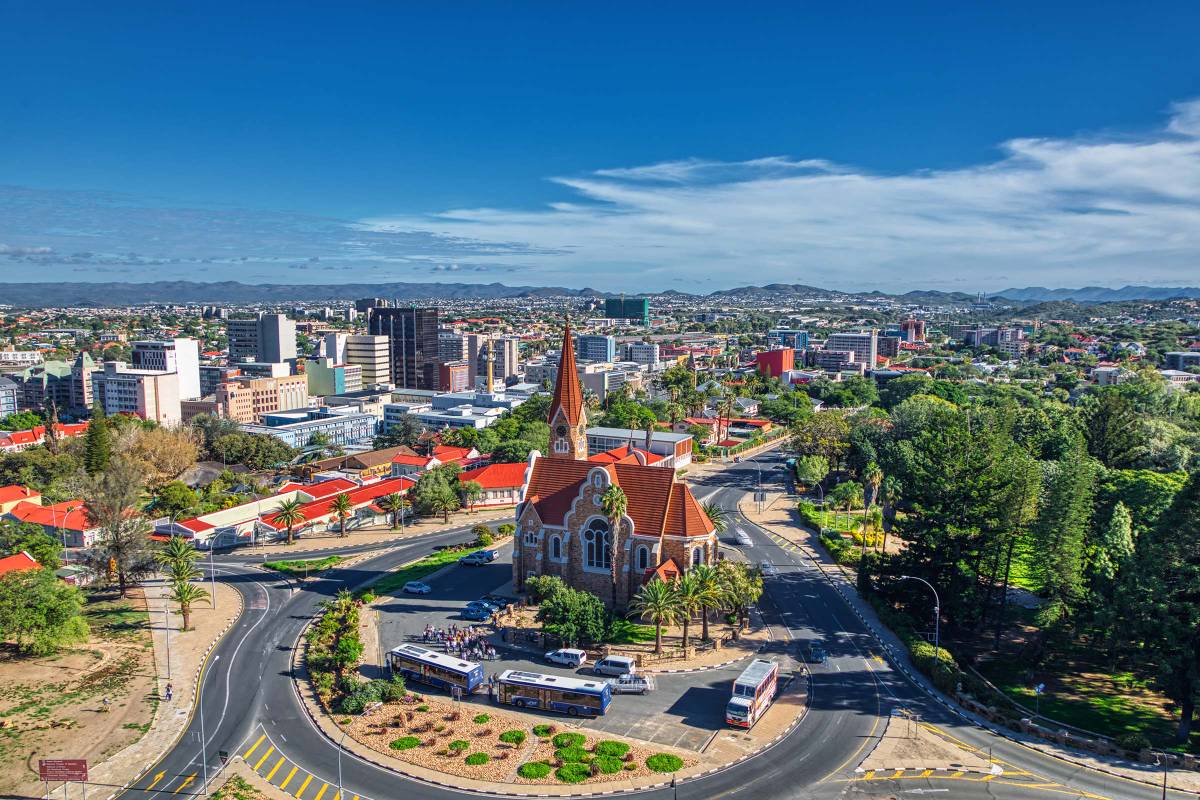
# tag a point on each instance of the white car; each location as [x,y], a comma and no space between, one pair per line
[567,657]
[416,587]
[631,683]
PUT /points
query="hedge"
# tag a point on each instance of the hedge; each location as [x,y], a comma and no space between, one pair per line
[534,770]
[513,737]
[611,748]
[664,762]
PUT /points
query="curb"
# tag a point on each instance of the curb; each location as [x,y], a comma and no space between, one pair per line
[249,551]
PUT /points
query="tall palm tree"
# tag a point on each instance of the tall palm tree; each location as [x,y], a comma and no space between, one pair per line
[872,477]
[717,514]
[688,596]
[614,504]
[396,503]
[289,512]
[186,594]
[177,550]
[891,496]
[341,505]
[709,582]
[657,602]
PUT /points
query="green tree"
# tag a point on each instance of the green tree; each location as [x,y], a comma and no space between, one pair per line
[689,595]
[21,421]
[97,442]
[471,492]
[395,503]
[174,498]
[657,602]
[342,506]
[811,470]
[178,556]
[1114,431]
[289,513]
[26,537]
[577,617]
[741,586]
[1060,536]
[825,433]
[717,514]
[1115,545]
[40,613]
[434,494]
[614,503]
[709,592]
[187,594]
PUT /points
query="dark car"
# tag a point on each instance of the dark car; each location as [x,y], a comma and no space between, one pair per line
[816,654]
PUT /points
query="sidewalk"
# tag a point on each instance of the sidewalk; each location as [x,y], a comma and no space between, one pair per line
[188,651]
[779,519]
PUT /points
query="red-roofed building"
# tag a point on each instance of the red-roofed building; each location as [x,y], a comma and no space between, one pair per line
[66,521]
[563,529]
[501,483]
[629,455]
[11,495]
[17,563]
[16,441]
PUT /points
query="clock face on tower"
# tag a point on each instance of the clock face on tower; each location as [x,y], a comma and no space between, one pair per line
[561,431]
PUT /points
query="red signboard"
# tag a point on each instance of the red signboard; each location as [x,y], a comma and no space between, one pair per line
[56,770]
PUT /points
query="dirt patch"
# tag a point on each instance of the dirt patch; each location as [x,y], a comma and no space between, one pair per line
[448,737]
[56,707]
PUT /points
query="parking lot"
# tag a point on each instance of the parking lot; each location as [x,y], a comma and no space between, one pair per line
[685,710]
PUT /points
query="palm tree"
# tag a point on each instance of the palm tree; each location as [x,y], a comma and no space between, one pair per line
[891,496]
[657,602]
[741,586]
[872,477]
[177,550]
[615,504]
[341,505]
[289,512]
[185,594]
[709,592]
[396,503]
[688,596]
[717,514]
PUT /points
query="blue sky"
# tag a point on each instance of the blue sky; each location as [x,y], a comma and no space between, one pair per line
[621,146]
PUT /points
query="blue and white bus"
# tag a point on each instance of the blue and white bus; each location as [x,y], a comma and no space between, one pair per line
[436,669]
[553,693]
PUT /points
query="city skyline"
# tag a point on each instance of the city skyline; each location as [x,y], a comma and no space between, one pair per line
[795,147]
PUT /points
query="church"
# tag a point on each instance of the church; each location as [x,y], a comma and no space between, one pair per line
[562,528]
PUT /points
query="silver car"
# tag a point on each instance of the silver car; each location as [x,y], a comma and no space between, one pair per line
[632,683]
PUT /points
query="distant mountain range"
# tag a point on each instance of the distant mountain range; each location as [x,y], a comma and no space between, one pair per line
[233,292]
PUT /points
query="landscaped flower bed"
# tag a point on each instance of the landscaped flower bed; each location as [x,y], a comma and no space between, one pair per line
[458,739]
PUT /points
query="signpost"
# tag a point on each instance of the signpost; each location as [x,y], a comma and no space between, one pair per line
[63,770]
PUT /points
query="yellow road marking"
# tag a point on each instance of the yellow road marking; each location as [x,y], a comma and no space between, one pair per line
[957,774]
[869,774]
[186,782]
[265,756]
[303,786]
[925,774]
[288,779]
[987,778]
[275,768]
[897,773]
[254,747]
[324,786]
[157,778]
[337,796]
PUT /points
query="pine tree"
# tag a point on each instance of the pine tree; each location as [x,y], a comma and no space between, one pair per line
[1115,544]
[1060,534]
[97,444]
[1114,431]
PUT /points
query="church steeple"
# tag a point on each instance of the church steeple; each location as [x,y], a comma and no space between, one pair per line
[568,422]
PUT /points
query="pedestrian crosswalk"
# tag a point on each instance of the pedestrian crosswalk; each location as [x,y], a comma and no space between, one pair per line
[273,764]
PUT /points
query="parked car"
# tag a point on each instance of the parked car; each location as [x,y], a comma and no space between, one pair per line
[480,605]
[478,558]
[416,587]
[632,684]
[476,614]
[615,665]
[567,657]
[743,538]
[816,654]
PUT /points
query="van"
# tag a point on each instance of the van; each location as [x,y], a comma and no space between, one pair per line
[615,666]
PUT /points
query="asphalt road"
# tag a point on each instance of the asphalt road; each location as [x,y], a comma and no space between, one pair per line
[250,708]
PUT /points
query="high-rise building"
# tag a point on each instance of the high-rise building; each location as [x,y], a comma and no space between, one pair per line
[269,338]
[505,363]
[889,346]
[596,348]
[773,363]
[413,343]
[326,377]
[1181,359]
[8,397]
[643,353]
[865,346]
[912,330]
[633,309]
[181,356]
[787,337]
[452,346]
[365,304]
[148,394]
[373,355]
[453,376]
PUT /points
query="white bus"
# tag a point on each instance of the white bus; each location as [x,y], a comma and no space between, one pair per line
[753,692]
[444,671]
[570,696]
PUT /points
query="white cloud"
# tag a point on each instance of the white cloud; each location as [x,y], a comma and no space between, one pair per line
[1062,212]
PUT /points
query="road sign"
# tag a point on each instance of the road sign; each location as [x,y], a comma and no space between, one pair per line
[223,755]
[55,770]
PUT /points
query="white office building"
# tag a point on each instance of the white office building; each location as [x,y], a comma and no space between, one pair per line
[181,356]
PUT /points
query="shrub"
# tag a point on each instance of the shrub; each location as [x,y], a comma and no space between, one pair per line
[1134,742]
[367,597]
[630,765]
[439,728]
[541,587]
[458,745]
[392,690]
[480,719]
[534,770]
[507,529]
[664,762]
[572,754]
[808,514]
[573,773]
[568,740]
[404,743]
[422,707]
[611,748]
[515,738]
[476,759]
[543,731]
[608,764]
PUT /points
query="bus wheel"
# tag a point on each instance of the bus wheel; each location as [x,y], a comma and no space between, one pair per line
[572,712]
[519,703]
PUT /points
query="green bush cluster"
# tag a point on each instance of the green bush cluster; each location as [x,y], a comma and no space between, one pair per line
[611,748]
[404,743]
[573,772]
[514,737]
[664,762]
[480,719]
[534,770]
[609,765]
[357,696]
[334,650]
[568,740]
[573,754]
[458,745]
[477,759]
[543,731]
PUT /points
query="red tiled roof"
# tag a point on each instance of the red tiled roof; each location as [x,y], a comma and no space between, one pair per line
[656,503]
[411,461]
[567,394]
[446,454]
[625,455]
[359,496]
[18,562]
[196,525]
[14,492]
[700,421]
[69,515]
[496,476]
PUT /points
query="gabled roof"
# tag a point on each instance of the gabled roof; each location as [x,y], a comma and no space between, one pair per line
[568,395]
[447,454]
[10,493]
[69,515]
[657,504]
[625,455]
[496,476]
[18,562]
[359,496]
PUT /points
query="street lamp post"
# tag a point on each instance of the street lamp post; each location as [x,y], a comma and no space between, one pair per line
[212,572]
[937,617]
[366,710]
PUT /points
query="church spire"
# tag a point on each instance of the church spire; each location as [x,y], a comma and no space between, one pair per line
[568,422]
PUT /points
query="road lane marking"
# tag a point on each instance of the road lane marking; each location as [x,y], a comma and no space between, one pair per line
[253,747]
[303,786]
[898,773]
[157,778]
[275,768]
[265,756]
[925,774]
[186,782]
[321,791]
[288,779]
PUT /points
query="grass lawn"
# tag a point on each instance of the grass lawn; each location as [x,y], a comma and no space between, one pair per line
[392,581]
[1021,574]
[627,632]
[301,567]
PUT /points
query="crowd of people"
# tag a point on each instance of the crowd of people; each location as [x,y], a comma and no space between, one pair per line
[470,643]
